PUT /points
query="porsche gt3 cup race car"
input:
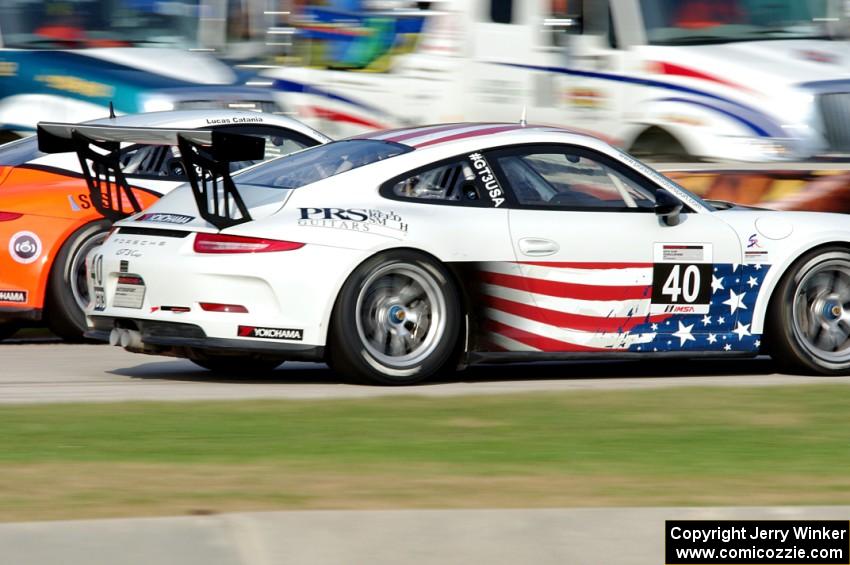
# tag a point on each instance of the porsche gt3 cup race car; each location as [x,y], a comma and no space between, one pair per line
[49,220]
[399,254]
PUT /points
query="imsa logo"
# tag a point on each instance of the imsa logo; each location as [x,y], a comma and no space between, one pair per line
[271,333]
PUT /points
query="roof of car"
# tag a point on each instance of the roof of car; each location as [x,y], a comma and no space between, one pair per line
[441,134]
[195,119]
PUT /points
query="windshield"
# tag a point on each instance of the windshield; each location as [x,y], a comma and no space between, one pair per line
[682,22]
[19,152]
[34,24]
[321,162]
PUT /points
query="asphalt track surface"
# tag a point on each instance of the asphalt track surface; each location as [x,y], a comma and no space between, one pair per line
[56,372]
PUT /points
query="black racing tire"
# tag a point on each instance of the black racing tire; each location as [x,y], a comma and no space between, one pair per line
[396,321]
[234,365]
[8,329]
[814,293]
[67,293]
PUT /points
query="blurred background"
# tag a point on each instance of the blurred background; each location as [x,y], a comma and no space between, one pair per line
[740,100]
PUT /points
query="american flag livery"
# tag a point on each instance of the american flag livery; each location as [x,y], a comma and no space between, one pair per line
[599,307]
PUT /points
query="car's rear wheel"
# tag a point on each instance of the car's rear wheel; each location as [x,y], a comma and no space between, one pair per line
[396,321]
[8,329]
[67,291]
[234,365]
[809,315]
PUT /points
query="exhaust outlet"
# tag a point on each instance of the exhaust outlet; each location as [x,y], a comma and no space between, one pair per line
[131,339]
[115,337]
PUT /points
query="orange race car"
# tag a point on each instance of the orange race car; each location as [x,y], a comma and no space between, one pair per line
[54,210]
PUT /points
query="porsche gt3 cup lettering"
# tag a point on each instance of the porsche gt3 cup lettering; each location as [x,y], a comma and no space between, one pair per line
[128,253]
[166,218]
[271,333]
[488,179]
[17,296]
[136,242]
[354,219]
[25,247]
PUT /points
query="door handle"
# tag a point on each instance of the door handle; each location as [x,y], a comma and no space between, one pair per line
[537,246]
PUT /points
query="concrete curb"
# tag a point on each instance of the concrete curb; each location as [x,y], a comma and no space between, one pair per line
[623,536]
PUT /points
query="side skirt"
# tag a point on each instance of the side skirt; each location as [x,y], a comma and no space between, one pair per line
[479,357]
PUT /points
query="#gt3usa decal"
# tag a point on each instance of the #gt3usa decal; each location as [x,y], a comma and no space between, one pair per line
[270,333]
[166,218]
[17,296]
[354,219]
[488,179]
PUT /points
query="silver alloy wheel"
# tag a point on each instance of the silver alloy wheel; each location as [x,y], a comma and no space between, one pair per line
[400,314]
[77,273]
[821,308]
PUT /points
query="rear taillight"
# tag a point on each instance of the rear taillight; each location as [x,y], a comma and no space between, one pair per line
[215,307]
[8,216]
[223,243]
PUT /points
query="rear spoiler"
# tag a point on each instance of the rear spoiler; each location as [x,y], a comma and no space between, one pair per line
[206,155]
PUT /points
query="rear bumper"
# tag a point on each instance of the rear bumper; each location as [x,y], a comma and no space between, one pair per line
[177,338]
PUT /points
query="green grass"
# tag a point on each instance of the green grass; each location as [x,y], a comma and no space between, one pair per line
[741,446]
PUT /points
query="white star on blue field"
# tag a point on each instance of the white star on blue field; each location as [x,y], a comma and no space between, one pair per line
[726,327]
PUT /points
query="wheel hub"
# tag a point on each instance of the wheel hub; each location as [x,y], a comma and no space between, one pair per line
[400,314]
[822,311]
[397,314]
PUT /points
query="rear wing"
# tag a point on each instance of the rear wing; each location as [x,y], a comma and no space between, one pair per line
[206,156]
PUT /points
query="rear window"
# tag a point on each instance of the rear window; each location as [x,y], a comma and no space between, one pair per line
[321,162]
[19,152]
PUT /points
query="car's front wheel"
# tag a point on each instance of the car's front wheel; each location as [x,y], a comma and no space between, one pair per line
[396,321]
[809,316]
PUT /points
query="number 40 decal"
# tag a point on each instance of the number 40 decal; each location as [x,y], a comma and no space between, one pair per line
[681,283]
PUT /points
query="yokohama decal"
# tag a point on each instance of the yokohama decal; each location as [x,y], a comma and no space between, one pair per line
[17,296]
[271,333]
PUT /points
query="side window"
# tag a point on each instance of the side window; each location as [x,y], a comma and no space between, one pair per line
[160,161]
[163,162]
[563,178]
[276,146]
[448,182]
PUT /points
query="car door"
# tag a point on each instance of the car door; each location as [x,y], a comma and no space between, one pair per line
[599,270]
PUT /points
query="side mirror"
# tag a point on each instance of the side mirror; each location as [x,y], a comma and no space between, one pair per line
[667,207]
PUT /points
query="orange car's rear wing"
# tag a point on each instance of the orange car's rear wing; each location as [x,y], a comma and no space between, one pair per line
[206,155]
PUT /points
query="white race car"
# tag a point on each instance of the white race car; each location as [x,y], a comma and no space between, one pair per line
[399,254]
